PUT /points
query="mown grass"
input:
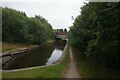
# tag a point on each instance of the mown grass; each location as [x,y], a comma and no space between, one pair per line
[13,46]
[89,69]
[55,71]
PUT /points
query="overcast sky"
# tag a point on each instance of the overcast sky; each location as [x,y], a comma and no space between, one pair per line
[57,12]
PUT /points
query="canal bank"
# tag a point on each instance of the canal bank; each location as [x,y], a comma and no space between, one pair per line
[5,57]
[53,71]
[51,60]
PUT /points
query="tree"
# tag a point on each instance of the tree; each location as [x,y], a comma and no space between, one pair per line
[65,30]
[96,31]
[17,27]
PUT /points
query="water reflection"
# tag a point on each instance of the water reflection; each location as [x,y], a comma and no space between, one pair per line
[57,52]
[55,56]
[44,55]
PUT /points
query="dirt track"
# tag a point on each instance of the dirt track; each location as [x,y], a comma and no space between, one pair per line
[72,71]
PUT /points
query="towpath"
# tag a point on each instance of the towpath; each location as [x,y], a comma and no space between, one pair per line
[72,70]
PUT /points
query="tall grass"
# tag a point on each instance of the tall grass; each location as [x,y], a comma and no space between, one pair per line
[89,69]
[13,46]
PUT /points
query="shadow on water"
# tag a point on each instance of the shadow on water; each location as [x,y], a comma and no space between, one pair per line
[44,55]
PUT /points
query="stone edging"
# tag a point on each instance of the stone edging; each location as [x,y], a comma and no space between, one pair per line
[18,52]
[57,62]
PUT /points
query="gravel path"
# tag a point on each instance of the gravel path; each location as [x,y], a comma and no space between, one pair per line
[72,71]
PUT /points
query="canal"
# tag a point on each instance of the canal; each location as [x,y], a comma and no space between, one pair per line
[44,55]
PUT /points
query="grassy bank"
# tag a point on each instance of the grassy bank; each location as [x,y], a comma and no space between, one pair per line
[88,69]
[13,46]
[6,46]
[55,71]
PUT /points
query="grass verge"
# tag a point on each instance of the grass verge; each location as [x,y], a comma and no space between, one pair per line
[55,71]
[13,46]
[88,69]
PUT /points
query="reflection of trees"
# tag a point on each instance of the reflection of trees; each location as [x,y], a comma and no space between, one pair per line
[40,56]
[60,44]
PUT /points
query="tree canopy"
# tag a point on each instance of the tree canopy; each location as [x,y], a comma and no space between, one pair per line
[96,31]
[17,27]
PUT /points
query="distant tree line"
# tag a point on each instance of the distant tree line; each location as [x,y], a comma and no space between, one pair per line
[96,31]
[60,30]
[17,27]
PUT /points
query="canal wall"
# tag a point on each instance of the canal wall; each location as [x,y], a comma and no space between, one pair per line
[6,57]
[57,62]
[63,54]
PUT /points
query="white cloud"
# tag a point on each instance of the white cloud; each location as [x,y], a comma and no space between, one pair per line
[73,1]
[58,13]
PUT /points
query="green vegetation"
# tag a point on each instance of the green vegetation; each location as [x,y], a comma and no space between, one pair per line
[13,46]
[18,28]
[96,31]
[54,71]
[0,47]
[20,31]
[88,68]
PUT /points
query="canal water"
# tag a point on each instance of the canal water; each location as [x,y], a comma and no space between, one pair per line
[44,55]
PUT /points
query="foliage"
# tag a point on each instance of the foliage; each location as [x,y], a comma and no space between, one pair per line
[17,27]
[96,31]
[65,30]
[88,68]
